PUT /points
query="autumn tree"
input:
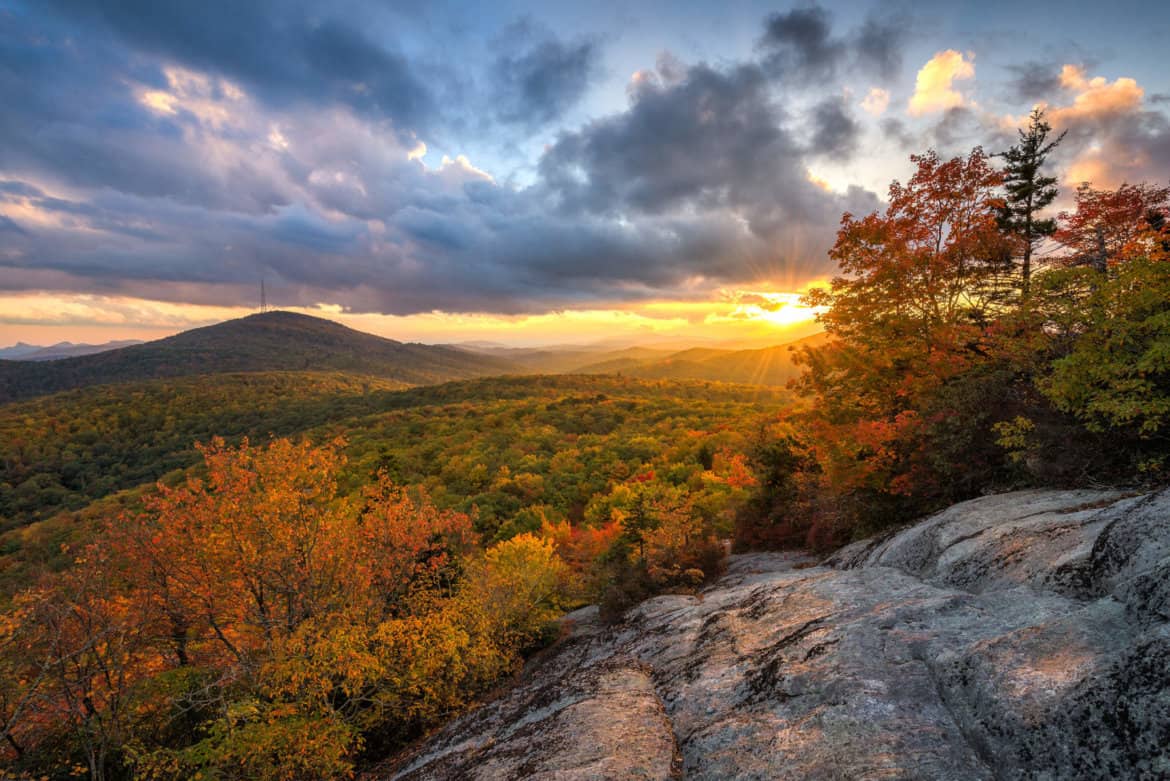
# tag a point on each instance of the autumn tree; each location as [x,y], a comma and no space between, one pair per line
[72,653]
[918,274]
[909,313]
[287,626]
[1029,191]
[1108,226]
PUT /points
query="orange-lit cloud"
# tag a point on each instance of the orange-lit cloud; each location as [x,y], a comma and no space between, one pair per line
[934,88]
[1095,108]
[820,182]
[1095,97]
[876,101]
[418,153]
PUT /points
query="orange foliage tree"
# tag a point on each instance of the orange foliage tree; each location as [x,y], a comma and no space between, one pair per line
[920,284]
[1108,226]
[256,622]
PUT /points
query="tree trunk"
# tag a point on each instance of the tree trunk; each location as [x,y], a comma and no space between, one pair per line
[1101,259]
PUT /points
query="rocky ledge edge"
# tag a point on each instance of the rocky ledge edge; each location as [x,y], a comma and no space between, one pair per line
[1022,635]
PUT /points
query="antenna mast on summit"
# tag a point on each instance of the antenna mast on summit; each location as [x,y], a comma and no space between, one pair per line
[263,298]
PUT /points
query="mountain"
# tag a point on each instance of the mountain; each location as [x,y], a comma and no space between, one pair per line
[18,350]
[767,366]
[1023,635]
[272,341]
[31,352]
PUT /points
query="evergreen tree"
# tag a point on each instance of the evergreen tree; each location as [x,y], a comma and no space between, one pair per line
[1028,191]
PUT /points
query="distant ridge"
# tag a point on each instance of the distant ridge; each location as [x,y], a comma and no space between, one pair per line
[767,366]
[271,341]
[18,350]
[31,352]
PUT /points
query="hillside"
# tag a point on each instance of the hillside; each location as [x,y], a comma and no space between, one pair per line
[65,451]
[272,341]
[1023,635]
[565,359]
[767,366]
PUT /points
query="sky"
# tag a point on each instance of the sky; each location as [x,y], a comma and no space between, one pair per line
[517,172]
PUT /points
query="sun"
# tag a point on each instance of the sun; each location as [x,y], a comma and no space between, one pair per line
[779,309]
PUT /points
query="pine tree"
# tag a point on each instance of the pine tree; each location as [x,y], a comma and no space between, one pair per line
[1028,192]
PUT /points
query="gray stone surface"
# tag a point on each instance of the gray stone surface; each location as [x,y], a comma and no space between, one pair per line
[1025,635]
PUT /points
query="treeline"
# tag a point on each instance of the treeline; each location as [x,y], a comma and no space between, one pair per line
[977,345]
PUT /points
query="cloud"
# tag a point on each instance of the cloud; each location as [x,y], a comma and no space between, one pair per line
[957,129]
[895,130]
[835,132]
[9,225]
[876,101]
[699,183]
[715,139]
[800,46]
[539,77]
[1033,82]
[284,53]
[1095,98]
[879,43]
[1115,142]
[191,159]
[1111,134]
[934,87]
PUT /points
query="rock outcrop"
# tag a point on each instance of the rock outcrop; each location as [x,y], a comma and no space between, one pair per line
[1025,635]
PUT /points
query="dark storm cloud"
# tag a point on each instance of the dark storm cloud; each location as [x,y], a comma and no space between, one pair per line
[800,46]
[282,51]
[955,130]
[10,189]
[706,141]
[713,139]
[835,132]
[1032,82]
[878,45]
[539,77]
[70,114]
[895,130]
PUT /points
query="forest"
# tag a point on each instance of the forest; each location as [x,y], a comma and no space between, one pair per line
[286,575]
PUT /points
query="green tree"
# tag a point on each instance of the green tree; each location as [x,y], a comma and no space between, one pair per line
[1029,191]
[1118,373]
